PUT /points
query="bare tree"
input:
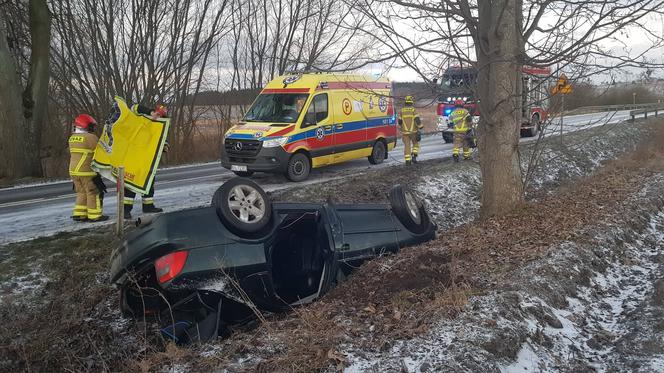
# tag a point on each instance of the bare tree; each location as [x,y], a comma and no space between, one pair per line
[22,115]
[145,51]
[500,37]
[270,38]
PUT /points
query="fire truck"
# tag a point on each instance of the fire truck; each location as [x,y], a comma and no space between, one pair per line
[458,83]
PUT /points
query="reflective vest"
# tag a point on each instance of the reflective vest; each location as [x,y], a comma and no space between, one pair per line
[81,147]
[459,120]
[409,119]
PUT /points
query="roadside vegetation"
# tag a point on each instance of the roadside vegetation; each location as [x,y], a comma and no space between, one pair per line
[61,314]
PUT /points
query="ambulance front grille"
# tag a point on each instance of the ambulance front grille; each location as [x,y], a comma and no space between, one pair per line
[242,148]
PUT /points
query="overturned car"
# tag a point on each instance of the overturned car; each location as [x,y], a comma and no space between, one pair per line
[201,270]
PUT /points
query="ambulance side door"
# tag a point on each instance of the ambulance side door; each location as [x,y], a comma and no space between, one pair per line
[320,134]
[350,126]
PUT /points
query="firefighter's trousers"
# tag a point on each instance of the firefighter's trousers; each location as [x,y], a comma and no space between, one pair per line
[410,145]
[148,199]
[88,201]
[461,141]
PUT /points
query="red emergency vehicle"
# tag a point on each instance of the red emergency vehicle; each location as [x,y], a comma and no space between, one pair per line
[458,83]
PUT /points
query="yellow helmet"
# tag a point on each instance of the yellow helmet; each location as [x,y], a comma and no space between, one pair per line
[409,99]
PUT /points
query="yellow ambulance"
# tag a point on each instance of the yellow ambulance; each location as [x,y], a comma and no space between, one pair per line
[304,121]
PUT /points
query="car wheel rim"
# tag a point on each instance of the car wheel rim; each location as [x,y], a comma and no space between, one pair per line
[413,208]
[246,204]
[298,168]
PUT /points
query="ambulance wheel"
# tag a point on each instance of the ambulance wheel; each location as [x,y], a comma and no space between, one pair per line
[243,173]
[299,167]
[408,209]
[535,123]
[378,153]
[242,206]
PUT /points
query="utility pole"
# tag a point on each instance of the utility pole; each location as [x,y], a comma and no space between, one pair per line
[562,117]
[119,225]
[634,98]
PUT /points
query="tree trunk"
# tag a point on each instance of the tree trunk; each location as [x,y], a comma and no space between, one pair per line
[35,95]
[21,121]
[11,116]
[500,51]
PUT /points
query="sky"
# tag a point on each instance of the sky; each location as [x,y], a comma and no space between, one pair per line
[632,41]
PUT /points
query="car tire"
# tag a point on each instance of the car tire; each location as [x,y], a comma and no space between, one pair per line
[243,173]
[409,210]
[242,206]
[299,167]
[378,153]
[535,122]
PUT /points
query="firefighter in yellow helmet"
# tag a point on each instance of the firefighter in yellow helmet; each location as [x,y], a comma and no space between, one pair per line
[410,124]
[462,124]
[82,145]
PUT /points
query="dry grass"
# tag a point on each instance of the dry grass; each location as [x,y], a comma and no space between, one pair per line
[400,296]
[390,298]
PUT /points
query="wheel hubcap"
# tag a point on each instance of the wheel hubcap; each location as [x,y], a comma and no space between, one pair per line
[246,203]
[298,168]
[413,208]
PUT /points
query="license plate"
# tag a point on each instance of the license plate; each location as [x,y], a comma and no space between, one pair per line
[238,168]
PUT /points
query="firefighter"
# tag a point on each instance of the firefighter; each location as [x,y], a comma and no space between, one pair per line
[147,199]
[411,125]
[82,145]
[462,124]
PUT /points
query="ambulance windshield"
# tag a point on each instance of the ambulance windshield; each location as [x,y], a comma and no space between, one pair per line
[276,107]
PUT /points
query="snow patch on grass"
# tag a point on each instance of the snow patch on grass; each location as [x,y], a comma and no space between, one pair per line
[451,198]
[597,317]
[26,286]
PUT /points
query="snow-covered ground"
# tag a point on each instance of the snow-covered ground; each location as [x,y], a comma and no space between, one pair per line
[583,308]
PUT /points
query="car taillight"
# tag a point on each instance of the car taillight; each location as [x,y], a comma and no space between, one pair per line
[169,266]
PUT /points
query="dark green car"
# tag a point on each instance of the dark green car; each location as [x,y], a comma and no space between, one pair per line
[197,271]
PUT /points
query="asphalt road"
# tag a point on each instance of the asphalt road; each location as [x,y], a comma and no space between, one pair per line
[37,196]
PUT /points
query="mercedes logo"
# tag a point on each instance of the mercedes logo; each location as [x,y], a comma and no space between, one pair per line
[238,146]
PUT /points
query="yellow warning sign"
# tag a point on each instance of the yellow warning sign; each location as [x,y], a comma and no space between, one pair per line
[562,86]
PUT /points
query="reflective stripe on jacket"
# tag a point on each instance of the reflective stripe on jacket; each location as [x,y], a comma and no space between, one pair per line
[459,119]
[409,120]
[82,147]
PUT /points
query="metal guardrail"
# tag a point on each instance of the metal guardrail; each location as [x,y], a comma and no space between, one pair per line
[607,108]
[617,107]
[654,108]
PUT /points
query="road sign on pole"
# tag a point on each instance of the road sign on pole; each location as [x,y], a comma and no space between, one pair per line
[562,86]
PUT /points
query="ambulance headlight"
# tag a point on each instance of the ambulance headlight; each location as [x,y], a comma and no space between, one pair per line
[273,143]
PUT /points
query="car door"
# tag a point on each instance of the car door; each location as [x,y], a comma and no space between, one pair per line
[366,231]
[320,133]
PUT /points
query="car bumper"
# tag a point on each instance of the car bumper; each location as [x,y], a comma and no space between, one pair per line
[266,160]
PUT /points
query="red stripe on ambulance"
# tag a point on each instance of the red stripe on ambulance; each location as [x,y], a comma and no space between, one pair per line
[285,90]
